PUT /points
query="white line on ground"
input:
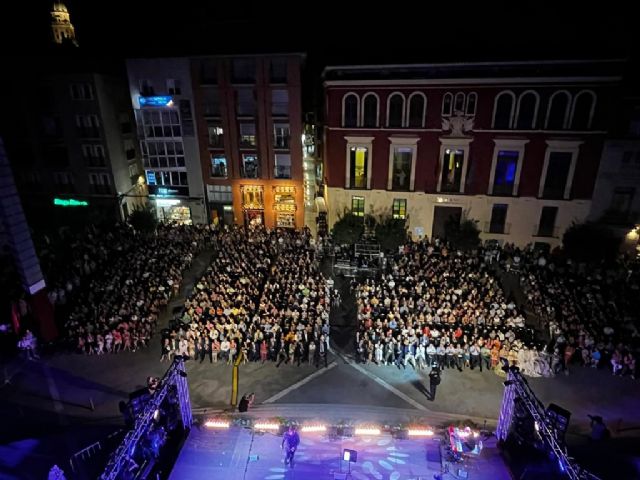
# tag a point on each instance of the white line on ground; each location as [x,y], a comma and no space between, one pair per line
[389,387]
[55,393]
[297,385]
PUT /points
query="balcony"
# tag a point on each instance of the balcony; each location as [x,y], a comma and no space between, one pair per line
[497,228]
[546,231]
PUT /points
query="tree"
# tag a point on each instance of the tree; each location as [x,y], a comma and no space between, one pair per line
[143,220]
[348,228]
[462,235]
[589,242]
[391,232]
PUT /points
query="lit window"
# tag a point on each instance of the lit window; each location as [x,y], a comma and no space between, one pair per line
[357,206]
[399,208]
[358,158]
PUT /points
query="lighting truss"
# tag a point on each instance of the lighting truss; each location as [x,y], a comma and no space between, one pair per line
[517,386]
[176,375]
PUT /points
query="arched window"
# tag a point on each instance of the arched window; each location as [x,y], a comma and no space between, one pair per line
[472,100]
[503,110]
[417,110]
[350,108]
[458,105]
[447,104]
[558,110]
[370,110]
[527,110]
[582,112]
[395,110]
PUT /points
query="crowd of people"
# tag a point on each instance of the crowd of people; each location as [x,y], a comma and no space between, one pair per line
[263,298]
[432,306]
[589,312]
[119,281]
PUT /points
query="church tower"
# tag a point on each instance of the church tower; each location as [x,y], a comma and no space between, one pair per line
[61,26]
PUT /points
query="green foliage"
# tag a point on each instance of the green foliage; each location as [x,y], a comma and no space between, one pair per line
[464,235]
[348,229]
[143,220]
[589,242]
[391,232]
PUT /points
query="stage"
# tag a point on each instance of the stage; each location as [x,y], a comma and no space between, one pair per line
[239,453]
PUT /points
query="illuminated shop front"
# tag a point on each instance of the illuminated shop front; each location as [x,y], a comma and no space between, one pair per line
[284,206]
[253,204]
[171,204]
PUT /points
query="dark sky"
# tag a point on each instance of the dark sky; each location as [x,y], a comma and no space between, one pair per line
[389,31]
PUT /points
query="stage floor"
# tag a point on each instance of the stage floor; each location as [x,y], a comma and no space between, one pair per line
[238,454]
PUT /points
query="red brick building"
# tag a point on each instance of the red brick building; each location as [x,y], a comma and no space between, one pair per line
[249,125]
[514,145]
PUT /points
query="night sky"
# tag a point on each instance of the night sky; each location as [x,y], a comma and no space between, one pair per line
[331,33]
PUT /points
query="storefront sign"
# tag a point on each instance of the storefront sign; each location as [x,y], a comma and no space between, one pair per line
[70,202]
[156,101]
[166,191]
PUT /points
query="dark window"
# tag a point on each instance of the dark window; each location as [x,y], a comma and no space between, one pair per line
[370,113]
[246,104]
[280,102]
[505,175]
[396,107]
[452,165]
[416,111]
[282,165]
[447,104]
[557,174]
[558,111]
[472,100]
[459,103]
[350,118]
[527,112]
[503,112]
[357,206]
[546,227]
[209,72]
[278,70]
[620,207]
[211,102]
[498,218]
[582,111]
[216,135]
[243,70]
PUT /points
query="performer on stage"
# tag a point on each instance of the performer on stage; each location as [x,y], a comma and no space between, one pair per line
[290,442]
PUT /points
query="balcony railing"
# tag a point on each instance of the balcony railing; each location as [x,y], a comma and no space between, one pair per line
[546,231]
[498,228]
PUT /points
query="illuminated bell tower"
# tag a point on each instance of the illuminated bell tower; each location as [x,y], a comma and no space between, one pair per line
[61,26]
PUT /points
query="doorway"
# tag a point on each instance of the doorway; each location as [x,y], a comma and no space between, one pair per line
[441,215]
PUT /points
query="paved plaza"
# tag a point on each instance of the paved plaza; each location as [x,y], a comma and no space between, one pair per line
[68,391]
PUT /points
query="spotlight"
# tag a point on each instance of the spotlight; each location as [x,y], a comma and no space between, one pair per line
[367,431]
[350,455]
[156,416]
[420,432]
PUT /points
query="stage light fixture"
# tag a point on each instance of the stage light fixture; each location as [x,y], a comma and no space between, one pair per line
[266,426]
[350,456]
[420,432]
[313,428]
[367,431]
[216,424]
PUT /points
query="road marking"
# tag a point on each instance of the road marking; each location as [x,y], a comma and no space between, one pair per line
[389,387]
[55,394]
[297,385]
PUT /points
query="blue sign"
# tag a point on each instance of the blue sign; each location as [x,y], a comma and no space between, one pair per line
[151,178]
[157,101]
